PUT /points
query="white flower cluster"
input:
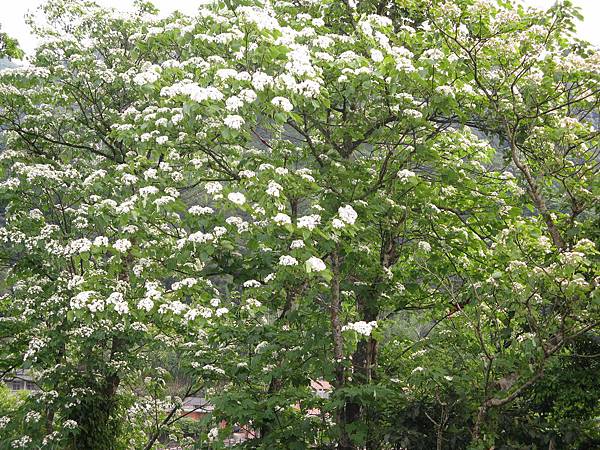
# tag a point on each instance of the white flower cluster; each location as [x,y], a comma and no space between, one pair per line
[257,16]
[405,175]
[195,312]
[236,197]
[213,434]
[175,306]
[186,282]
[282,219]
[234,122]
[274,189]
[200,238]
[287,260]
[4,420]
[315,264]
[148,190]
[283,103]
[34,346]
[70,424]
[82,300]
[122,245]
[22,442]
[347,214]
[310,222]
[150,75]
[251,284]
[78,246]
[298,243]
[193,91]
[118,301]
[152,294]
[376,55]
[212,368]
[253,303]
[424,246]
[198,210]
[238,222]
[361,327]
[32,416]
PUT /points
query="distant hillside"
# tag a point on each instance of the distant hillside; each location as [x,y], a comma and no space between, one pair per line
[4,63]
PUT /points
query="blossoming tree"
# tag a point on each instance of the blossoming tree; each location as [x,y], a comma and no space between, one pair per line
[396,197]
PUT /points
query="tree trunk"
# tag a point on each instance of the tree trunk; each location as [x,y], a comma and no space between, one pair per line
[363,361]
[98,428]
[338,347]
[267,427]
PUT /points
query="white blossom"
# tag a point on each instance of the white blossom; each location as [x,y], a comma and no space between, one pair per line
[234,103]
[316,264]
[251,284]
[282,219]
[100,241]
[248,95]
[287,260]
[234,121]
[4,420]
[70,424]
[413,113]
[148,190]
[122,245]
[404,175]
[81,299]
[200,238]
[337,223]
[221,311]
[347,214]
[214,432]
[273,189]
[361,327]
[298,243]
[376,55]
[236,197]
[424,246]
[310,222]
[213,187]
[119,304]
[32,416]
[145,304]
[22,442]
[283,103]
[198,210]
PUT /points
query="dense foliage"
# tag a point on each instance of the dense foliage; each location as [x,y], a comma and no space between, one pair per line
[9,47]
[397,197]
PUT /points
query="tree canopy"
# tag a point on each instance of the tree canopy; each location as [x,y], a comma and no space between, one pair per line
[397,197]
[9,47]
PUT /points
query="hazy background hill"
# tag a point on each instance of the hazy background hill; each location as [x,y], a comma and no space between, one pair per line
[4,63]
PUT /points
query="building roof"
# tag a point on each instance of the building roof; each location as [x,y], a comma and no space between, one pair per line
[199,404]
[320,385]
